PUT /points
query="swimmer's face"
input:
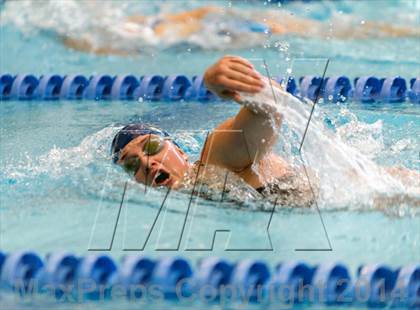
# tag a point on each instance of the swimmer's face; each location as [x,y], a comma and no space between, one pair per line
[154,161]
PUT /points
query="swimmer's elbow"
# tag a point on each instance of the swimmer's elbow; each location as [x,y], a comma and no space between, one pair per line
[76,44]
[82,45]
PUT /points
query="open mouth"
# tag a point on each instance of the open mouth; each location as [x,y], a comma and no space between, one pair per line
[161,177]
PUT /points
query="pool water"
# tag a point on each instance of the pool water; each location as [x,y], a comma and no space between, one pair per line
[59,190]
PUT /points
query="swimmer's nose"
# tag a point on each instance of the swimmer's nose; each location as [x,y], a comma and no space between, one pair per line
[151,166]
[154,165]
[151,171]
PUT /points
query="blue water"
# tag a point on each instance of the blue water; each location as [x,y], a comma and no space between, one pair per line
[59,190]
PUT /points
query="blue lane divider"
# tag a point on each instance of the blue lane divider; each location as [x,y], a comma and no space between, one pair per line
[123,87]
[408,285]
[414,92]
[249,276]
[311,86]
[213,272]
[376,282]
[19,269]
[73,87]
[332,284]
[175,87]
[393,89]
[170,275]
[6,82]
[99,87]
[59,272]
[150,88]
[337,89]
[291,86]
[292,275]
[24,87]
[49,87]
[367,89]
[334,89]
[95,276]
[2,259]
[199,91]
[135,271]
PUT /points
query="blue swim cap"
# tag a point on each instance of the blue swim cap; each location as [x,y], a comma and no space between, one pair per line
[130,132]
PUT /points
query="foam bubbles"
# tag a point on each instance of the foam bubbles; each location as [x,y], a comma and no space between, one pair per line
[342,160]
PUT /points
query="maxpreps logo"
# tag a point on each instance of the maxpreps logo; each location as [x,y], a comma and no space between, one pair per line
[194,230]
[176,232]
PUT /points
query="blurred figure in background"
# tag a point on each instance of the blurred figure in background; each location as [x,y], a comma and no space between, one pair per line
[108,27]
[230,23]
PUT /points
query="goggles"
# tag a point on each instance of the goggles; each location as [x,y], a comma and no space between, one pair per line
[153,146]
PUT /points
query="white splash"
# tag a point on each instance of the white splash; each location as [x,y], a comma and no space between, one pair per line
[367,138]
[342,161]
[61,161]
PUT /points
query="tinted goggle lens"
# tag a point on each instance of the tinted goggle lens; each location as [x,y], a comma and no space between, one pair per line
[153,146]
[132,165]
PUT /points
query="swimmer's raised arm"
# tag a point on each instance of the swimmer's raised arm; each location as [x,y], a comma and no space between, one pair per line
[244,139]
[231,75]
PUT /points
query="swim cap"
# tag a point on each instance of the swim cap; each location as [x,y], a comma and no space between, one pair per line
[130,132]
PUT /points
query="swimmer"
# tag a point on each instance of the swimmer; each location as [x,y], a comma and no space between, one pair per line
[241,145]
[211,21]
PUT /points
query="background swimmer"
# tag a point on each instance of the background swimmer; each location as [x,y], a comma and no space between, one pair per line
[208,26]
[184,25]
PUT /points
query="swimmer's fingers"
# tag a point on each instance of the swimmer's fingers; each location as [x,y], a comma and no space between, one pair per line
[231,75]
[245,70]
[234,85]
[246,79]
[240,60]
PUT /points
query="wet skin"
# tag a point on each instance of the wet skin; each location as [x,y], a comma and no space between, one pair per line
[165,168]
[227,78]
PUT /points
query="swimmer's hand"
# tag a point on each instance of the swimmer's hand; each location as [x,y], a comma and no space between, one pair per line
[231,75]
